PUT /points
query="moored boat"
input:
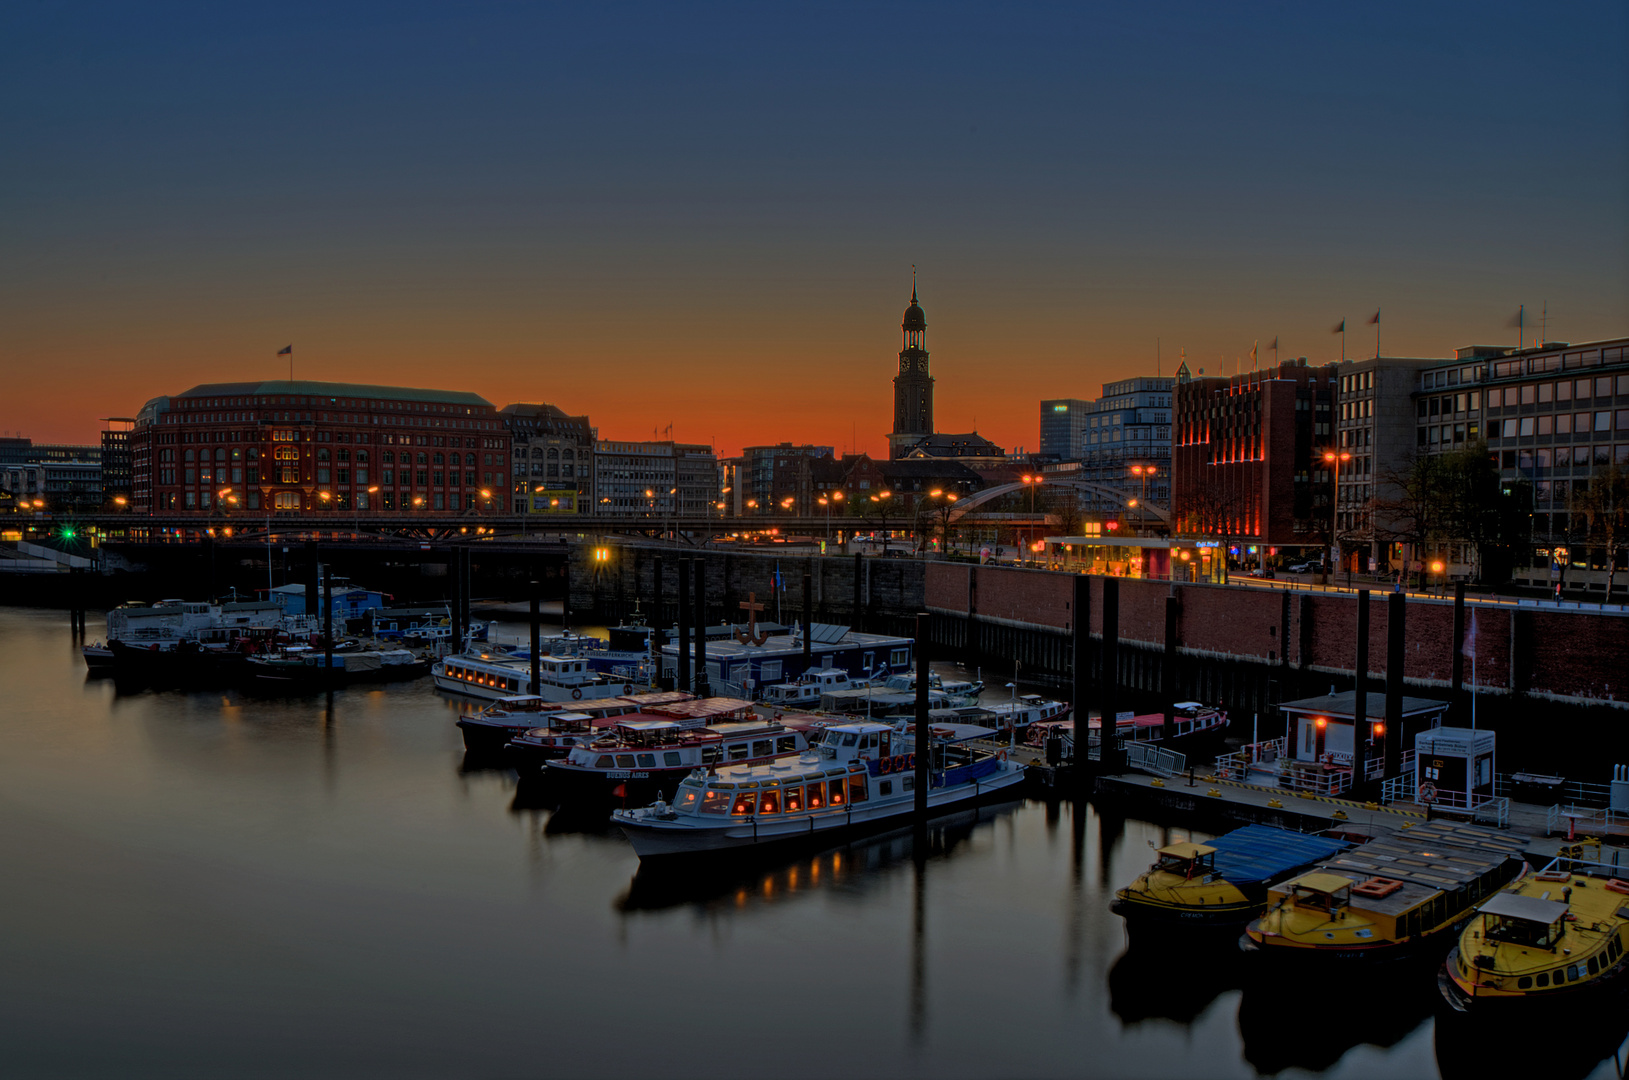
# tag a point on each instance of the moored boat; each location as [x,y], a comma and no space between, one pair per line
[1552,939]
[488,730]
[1396,897]
[1220,882]
[497,673]
[861,777]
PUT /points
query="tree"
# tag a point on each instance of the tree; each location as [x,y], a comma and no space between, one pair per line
[1213,511]
[1413,515]
[1604,504]
[1457,497]
[1063,504]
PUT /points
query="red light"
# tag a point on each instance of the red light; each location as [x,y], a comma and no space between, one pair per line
[1380,729]
[1321,722]
[1111,525]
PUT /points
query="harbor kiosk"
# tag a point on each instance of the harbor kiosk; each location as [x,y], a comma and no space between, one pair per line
[1453,767]
[1328,751]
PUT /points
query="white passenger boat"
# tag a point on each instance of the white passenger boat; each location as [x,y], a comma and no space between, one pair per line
[1017,715]
[860,777]
[642,755]
[805,692]
[495,673]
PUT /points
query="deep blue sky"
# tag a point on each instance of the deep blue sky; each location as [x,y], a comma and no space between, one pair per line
[707,214]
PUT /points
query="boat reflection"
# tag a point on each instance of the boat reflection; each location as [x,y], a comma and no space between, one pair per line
[1176,979]
[1589,1042]
[751,882]
[1379,1007]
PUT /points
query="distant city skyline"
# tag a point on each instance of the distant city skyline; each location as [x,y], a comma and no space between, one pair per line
[693,217]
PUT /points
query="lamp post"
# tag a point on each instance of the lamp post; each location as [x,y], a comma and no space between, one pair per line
[1334,458]
[1142,473]
[1031,481]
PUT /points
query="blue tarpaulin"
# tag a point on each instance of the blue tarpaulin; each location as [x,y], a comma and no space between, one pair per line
[1258,853]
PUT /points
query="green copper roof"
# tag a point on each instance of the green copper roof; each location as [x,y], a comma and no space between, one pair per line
[307,388]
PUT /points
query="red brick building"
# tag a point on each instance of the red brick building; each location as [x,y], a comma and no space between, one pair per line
[1246,455]
[299,447]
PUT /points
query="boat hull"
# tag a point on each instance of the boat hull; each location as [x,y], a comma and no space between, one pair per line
[1424,947]
[1552,1001]
[671,840]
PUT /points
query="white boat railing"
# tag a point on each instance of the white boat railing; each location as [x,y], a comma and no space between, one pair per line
[1155,759]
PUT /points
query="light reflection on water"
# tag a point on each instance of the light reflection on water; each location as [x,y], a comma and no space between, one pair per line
[213,883]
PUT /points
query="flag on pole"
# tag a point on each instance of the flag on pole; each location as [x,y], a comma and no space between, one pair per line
[286,350]
[1340,327]
[1470,637]
[1253,345]
[1516,320]
[1374,320]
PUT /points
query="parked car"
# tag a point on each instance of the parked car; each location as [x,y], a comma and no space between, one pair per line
[1302,567]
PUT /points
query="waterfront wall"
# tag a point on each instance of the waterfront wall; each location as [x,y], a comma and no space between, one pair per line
[1301,637]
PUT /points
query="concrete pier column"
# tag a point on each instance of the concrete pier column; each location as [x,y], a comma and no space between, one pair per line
[684,625]
[924,741]
[1395,655]
[702,687]
[1081,647]
[1459,642]
[808,614]
[537,635]
[1108,691]
[1360,677]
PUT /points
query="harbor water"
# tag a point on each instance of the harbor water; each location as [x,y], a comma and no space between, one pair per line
[206,883]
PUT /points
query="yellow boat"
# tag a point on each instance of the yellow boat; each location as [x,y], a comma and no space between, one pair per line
[1552,937]
[1222,881]
[1393,898]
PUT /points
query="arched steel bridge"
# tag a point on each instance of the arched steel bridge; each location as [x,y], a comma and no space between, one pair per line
[1113,496]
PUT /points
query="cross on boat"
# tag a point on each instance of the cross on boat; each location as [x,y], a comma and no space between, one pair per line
[751,636]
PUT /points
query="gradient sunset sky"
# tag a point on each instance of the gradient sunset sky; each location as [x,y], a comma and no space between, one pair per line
[706,215]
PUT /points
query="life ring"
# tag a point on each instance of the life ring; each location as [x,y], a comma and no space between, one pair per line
[910,761]
[899,762]
[627,688]
[882,764]
[1001,755]
[576,693]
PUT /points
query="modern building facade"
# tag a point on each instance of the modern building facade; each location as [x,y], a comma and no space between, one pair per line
[1130,427]
[306,447]
[116,474]
[1554,417]
[913,386]
[553,460]
[1375,436]
[1247,462]
[769,475]
[655,479]
[1063,428]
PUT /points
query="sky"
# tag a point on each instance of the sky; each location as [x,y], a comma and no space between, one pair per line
[706,215]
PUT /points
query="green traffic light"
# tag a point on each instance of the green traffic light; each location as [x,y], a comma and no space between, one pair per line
[67,534]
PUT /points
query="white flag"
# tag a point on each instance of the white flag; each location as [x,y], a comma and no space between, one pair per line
[1470,637]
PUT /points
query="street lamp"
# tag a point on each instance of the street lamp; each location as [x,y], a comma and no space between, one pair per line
[357,507]
[1334,459]
[1031,481]
[1142,473]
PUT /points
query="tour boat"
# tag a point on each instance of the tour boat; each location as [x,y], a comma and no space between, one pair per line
[861,777]
[488,730]
[1556,938]
[647,754]
[301,668]
[1219,882]
[1396,897]
[805,692]
[494,673]
[1017,715]
[1194,723]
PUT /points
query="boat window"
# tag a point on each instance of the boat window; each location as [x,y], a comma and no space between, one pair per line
[817,796]
[745,802]
[885,787]
[710,755]
[624,761]
[647,761]
[688,799]
[835,738]
[738,752]
[671,758]
[1593,966]
[838,798]
[715,802]
[1524,983]
[850,739]
[794,799]
[1544,978]
[786,744]
[763,747]
[603,762]
[856,787]
[907,783]
[770,803]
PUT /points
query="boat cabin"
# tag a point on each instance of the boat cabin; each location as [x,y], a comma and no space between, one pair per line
[1524,920]
[1186,860]
[1329,750]
[1322,892]
[804,786]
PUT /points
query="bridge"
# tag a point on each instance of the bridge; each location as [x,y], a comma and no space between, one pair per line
[1101,493]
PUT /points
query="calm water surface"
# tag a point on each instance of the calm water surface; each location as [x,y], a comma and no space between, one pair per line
[206,884]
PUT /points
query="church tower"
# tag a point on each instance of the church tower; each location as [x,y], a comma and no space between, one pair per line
[913,386]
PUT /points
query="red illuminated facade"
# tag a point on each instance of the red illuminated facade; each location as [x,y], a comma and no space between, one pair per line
[1246,455]
[298,447]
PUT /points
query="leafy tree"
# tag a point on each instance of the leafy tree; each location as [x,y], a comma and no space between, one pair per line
[1604,506]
